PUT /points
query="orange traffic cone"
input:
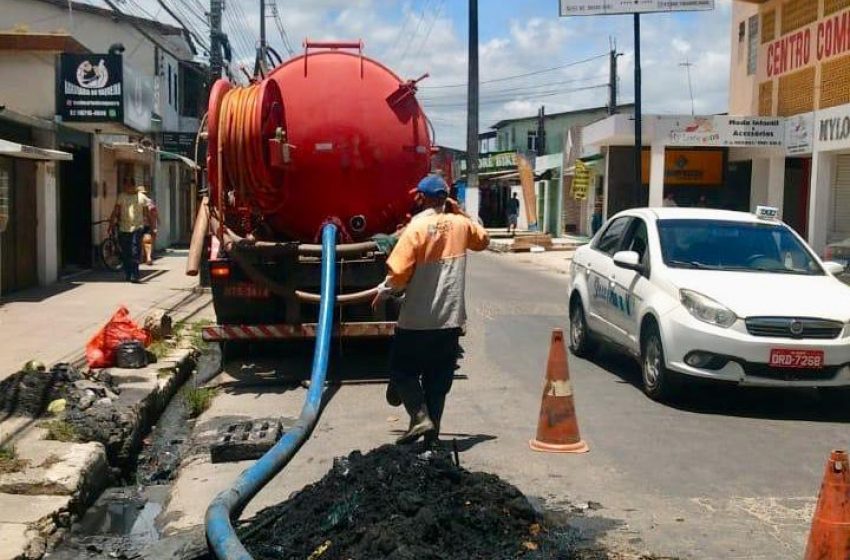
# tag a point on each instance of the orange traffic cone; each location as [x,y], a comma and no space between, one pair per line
[830,535]
[557,429]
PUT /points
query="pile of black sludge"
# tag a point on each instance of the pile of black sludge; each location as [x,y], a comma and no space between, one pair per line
[398,503]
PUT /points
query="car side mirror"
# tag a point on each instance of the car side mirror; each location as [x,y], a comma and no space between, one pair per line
[629,260]
[833,267]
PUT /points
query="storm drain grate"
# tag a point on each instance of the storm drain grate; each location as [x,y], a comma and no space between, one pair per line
[245,441]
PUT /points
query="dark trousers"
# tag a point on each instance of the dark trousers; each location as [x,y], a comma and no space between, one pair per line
[131,246]
[428,358]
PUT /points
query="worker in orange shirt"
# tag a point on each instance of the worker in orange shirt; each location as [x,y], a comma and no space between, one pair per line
[428,264]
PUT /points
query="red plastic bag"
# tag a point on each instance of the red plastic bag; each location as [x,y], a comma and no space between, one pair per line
[100,350]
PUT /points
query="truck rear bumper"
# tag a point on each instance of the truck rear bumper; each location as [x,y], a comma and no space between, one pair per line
[219,333]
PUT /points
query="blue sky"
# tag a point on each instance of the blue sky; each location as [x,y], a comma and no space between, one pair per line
[515,37]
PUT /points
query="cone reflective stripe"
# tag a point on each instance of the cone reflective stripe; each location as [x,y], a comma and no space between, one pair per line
[829,538]
[557,428]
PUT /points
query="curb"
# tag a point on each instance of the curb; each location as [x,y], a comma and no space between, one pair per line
[86,467]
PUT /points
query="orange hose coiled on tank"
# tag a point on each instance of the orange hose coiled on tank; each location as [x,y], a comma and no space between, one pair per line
[242,141]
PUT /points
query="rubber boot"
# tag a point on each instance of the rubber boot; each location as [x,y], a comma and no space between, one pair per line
[414,402]
[393,398]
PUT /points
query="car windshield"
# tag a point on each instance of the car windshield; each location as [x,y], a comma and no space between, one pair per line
[738,246]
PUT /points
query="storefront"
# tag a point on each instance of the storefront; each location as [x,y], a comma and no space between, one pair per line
[711,161]
[28,233]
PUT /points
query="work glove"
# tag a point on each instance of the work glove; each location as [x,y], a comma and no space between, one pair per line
[384,293]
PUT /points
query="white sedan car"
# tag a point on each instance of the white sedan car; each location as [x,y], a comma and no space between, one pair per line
[713,294]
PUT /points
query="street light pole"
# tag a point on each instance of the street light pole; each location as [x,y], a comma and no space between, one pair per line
[638,127]
[472,115]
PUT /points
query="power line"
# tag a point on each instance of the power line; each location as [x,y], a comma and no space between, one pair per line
[534,73]
[528,88]
[430,27]
[491,101]
[403,26]
[415,32]
[280,28]
[179,21]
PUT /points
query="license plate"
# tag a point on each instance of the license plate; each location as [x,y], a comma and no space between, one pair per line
[786,358]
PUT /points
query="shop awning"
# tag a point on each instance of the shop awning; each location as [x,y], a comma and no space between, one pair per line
[13,149]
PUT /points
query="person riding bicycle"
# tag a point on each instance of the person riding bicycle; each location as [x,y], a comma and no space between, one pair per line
[130,215]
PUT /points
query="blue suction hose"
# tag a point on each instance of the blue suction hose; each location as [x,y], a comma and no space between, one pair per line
[228,505]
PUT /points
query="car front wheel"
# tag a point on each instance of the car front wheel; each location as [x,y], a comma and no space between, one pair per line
[659,383]
[582,343]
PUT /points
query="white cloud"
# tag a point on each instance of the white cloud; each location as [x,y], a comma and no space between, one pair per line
[411,38]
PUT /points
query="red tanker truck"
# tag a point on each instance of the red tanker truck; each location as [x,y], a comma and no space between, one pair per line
[328,136]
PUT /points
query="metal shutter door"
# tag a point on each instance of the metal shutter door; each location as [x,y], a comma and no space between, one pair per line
[841,200]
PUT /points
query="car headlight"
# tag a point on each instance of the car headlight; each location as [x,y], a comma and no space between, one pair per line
[706,309]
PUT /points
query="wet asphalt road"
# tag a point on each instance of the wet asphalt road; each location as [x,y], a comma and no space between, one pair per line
[725,472]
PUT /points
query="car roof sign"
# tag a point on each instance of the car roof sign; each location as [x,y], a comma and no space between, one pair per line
[767,213]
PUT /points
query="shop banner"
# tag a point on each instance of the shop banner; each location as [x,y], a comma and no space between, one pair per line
[494,161]
[610,7]
[89,88]
[725,131]
[138,100]
[529,199]
[581,181]
[832,128]
[799,134]
[702,168]
[183,143]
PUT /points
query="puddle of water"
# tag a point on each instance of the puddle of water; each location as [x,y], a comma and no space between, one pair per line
[123,521]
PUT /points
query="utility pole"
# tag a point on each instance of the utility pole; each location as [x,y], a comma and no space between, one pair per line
[216,7]
[261,52]
[638,127]
[541,131]
[687,64]
[612,79]
[472,115]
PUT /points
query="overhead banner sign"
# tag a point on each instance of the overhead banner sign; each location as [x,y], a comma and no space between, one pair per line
[725,131]
[610,7]
[90,88]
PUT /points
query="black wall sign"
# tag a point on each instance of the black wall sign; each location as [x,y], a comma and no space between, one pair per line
[182,143]
[89,88]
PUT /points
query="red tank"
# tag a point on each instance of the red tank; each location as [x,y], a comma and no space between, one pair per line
[358,143]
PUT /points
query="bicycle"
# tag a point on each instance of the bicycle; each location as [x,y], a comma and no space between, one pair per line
[110,249]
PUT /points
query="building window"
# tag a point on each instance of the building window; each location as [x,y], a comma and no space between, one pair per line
[752,45]
[513,138]
[741,32]
[170,98]
[531,141]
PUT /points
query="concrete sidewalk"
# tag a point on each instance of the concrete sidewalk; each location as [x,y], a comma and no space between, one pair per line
[53,324]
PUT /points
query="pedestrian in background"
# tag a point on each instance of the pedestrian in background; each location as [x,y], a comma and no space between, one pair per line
[129,217]
[150,229]
[596,219]
[513,213]
[669,201]
[428,264]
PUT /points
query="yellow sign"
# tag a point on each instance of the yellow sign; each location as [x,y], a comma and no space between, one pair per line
[688,167]
[581,180]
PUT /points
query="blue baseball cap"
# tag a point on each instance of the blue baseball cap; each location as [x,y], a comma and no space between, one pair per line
[433,186]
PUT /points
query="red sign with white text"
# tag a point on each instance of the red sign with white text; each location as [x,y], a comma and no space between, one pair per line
[824,39]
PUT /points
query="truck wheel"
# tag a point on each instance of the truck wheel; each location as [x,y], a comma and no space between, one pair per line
[659,383]
[233,350]
[582,343]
